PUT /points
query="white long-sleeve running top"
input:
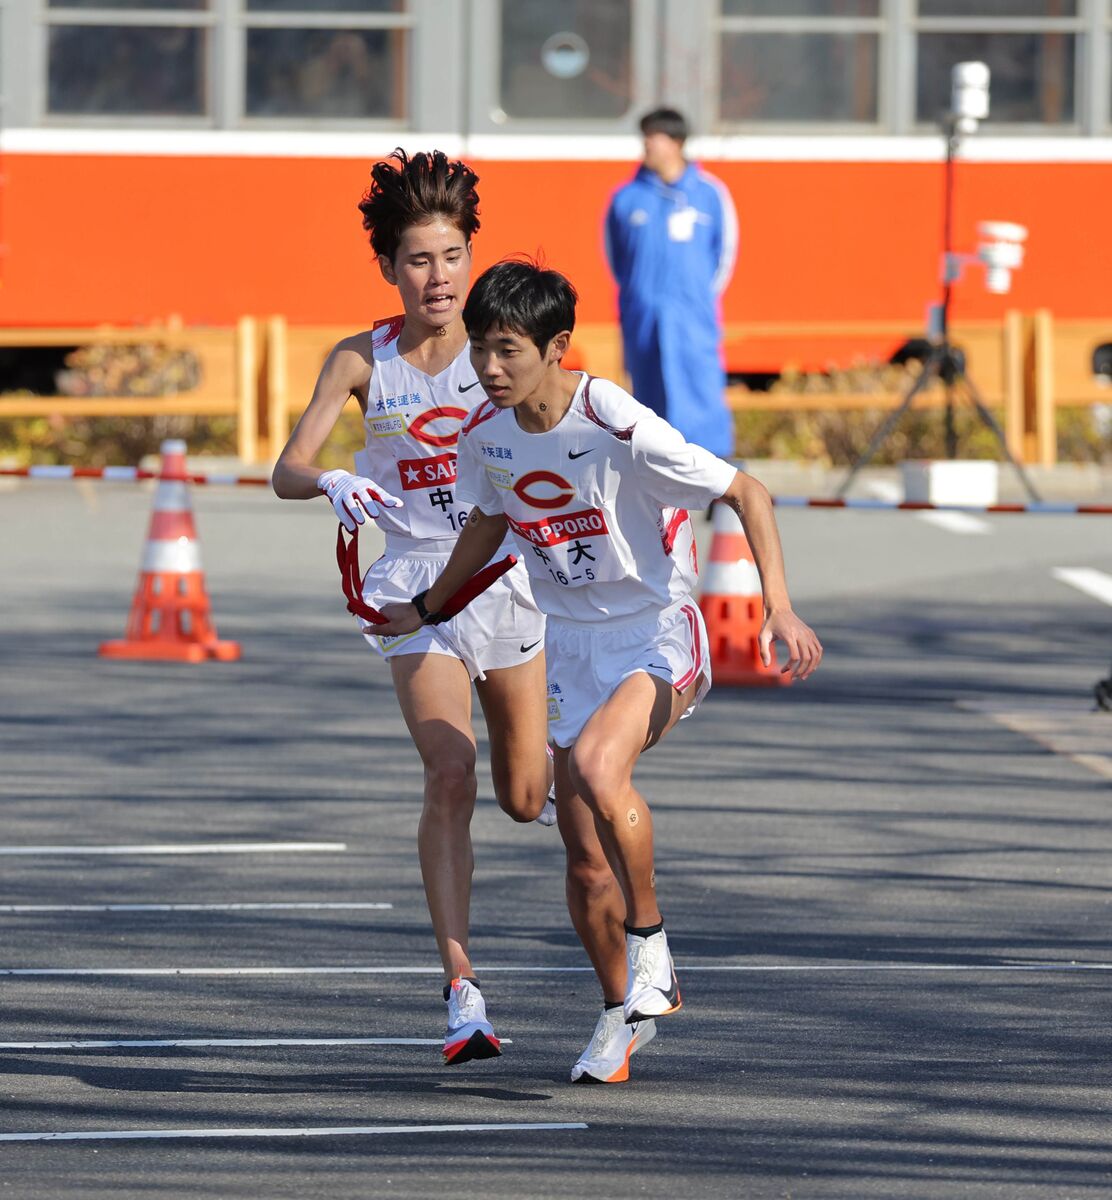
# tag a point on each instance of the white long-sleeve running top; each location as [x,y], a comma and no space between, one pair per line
[412,424]
[596,504]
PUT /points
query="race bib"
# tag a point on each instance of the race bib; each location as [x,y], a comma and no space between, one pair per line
[573,549]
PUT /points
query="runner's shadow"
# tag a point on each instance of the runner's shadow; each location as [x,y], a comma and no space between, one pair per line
[194,1081]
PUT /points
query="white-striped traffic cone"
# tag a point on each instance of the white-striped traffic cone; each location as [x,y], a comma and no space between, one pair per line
[733,607]
[171,617]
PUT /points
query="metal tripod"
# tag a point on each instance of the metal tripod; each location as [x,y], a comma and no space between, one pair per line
[947,364]
[945,361]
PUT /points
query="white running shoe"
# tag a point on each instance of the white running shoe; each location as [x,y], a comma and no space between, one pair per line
[653,989]
[606,1059]
[548,813]
[470,1035]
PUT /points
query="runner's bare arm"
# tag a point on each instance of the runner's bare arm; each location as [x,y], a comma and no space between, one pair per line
[346,373]
[476,545]
[749,498]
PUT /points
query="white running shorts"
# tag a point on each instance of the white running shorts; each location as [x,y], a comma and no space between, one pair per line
[501,627]
[586,663]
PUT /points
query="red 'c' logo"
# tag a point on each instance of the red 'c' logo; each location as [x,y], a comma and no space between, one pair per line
[417,429]
[564,493]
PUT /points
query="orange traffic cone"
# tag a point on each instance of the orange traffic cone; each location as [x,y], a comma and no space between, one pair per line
[170,614]
[733,607]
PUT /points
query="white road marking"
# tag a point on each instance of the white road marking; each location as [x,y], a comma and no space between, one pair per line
[129,908]
[115,1135]
[1088,580]
[890,493]
[192,1043]
[1060,729]
[955,522]
[949,519]
[819,968]
[187,848]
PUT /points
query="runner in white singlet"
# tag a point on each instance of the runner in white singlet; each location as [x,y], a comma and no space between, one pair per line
[413,381]
[412,423]
[594,486]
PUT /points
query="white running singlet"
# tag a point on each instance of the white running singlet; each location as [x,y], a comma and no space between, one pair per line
[597,504]
[412,424]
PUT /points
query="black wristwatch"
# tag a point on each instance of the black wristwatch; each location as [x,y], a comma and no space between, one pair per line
[427,618]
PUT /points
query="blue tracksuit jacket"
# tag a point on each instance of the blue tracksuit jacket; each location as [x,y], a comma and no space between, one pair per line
[671,248]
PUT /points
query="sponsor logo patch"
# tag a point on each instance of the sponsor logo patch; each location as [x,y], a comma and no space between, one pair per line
[386,426]
[426,472]
[556,530]
[500,477]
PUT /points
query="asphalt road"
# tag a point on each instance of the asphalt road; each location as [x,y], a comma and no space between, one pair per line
[889,908]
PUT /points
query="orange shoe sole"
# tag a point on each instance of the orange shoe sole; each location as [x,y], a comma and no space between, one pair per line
[477,1046]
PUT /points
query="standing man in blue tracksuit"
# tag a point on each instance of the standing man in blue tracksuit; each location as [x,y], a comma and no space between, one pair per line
[671,241]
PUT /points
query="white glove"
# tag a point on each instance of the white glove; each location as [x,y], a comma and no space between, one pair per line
[354,497]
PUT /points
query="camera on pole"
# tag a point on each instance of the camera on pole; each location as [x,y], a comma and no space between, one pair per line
[999,251]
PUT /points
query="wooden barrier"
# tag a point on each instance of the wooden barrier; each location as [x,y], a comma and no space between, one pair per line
[295,355]
[1025,366]
[988,348]
[1061,373]
[229,361]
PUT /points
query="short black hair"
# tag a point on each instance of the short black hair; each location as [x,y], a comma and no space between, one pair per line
[665,120]
[521,295]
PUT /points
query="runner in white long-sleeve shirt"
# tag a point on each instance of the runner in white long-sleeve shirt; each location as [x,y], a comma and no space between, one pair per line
[594,486]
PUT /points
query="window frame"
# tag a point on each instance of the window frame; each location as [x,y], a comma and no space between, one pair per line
[454,69]
[882,25]
[45,17]
[1078,26]
[484,93]
[234,82]
[429,27]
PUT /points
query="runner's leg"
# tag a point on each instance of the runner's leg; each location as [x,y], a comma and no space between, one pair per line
[594,898]
[513,700]
[434,693]
[634,717]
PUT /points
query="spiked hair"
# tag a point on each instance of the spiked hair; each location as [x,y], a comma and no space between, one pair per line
[409,191]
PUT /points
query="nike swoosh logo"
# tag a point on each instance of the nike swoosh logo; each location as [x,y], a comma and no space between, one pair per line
[460,387]
[658,666]
[525,649]
[578,453]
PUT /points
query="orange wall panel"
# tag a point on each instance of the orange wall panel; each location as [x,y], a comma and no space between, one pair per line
[102,238]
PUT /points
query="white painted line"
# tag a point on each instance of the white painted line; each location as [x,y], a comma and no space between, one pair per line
[1097,763]
[192,1043]
[868,967]
[1088,580]
[310,906]
[187,848]
[955,522]
[882,489]
[116,1135]
[952,522]
[1060,729]
[818,968]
